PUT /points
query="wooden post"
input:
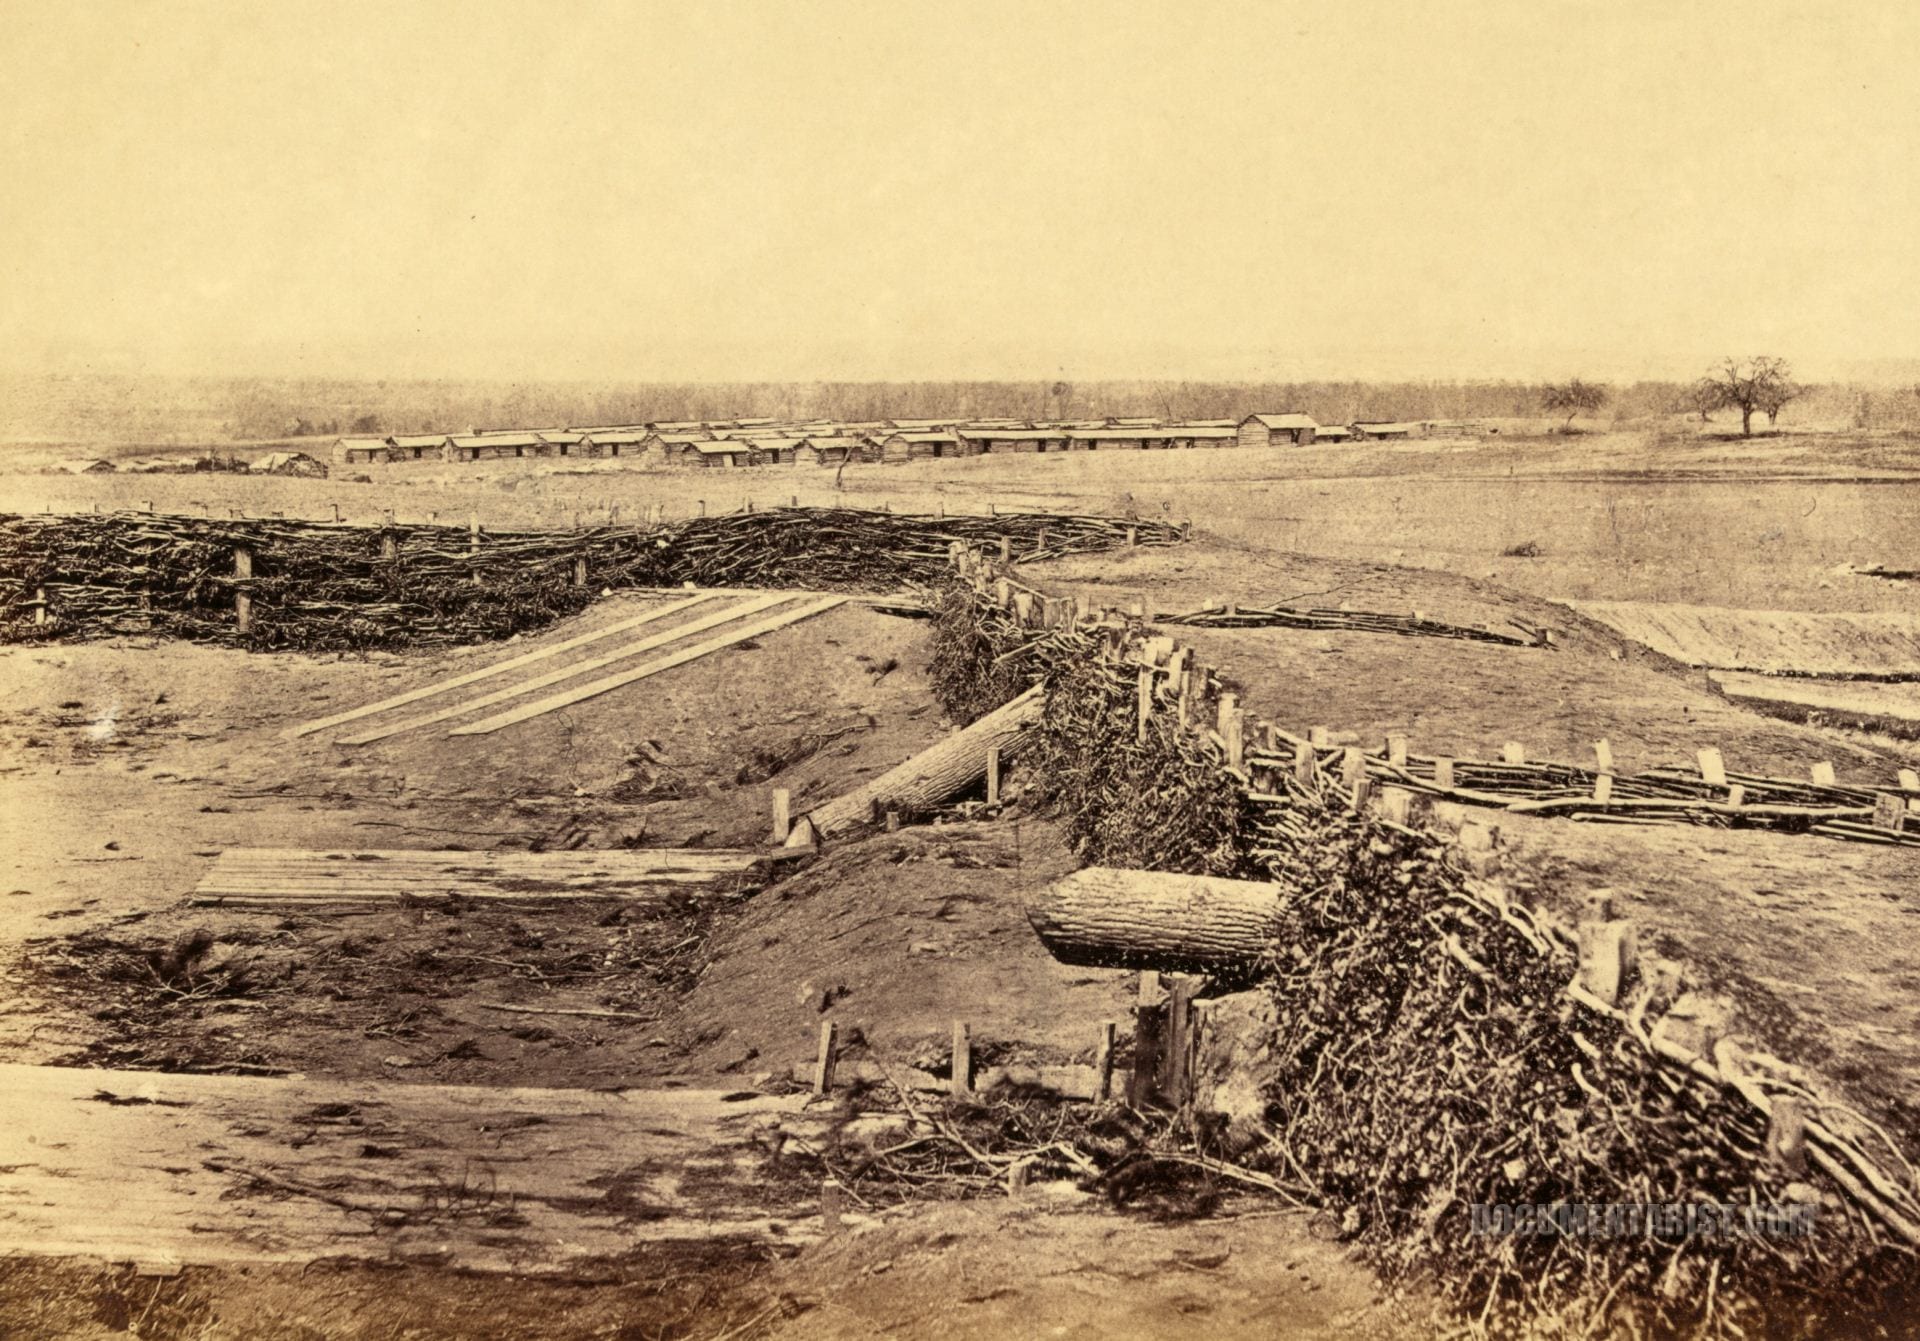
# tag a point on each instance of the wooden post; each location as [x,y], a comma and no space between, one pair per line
[1133,536]
[580,570]
[1713,769]
[892,824]
[782,814]
[1006,549]
[1023,608]
[993,775]
[1304,763]
[962,1065]
[1397,748]
[242,596]
[1603,787]
[1143,709]
[1228,703]
[1736,796]
[1103,1062]
[1317,737]
[1177,1078]
[1236,738]
[39,605]
[1909,780]
[389,547]
[1889,812]
[1148,1036]
[824,1059]
[1823,774]
[1513,752]
[1443,774]
[1396,804]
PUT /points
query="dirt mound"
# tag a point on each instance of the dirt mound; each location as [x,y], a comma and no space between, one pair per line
[895,937]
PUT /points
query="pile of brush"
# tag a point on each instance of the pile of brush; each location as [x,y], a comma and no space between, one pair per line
[1429,1055]
[320,586]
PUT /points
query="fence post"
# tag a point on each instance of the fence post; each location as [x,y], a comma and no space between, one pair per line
[962,1066]
[242,596]
[39,605]
[782,815]
[993,775]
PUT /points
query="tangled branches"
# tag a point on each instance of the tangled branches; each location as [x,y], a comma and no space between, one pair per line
[318,586]
[1426,1056]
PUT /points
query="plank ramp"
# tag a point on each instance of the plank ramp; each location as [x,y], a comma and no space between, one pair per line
[282,877]
[177,1169]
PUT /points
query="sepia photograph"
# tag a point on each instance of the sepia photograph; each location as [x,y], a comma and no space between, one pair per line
[855,669]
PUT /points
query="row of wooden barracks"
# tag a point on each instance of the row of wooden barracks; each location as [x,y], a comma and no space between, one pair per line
[767,442]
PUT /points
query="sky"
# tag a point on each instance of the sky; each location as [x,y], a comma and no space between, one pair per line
[840,189]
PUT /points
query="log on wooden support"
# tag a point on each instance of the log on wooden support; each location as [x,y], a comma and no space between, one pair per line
[1103,917]
[937,774]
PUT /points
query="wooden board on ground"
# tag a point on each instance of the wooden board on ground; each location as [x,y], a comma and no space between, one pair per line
[165,1169]
[247,877]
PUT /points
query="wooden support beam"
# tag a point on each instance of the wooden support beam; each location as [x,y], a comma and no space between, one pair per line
[666,663]
[1149,1034]
[993,775]
[1177,1078]
[1103,1062]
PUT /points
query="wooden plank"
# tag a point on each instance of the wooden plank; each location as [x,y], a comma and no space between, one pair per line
[621,653]
[680,658]
[193,1170]
[292,877]
[497,668]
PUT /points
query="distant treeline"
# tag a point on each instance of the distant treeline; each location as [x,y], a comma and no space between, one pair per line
[204,410]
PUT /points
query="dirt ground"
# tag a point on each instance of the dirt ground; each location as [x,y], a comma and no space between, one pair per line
[1042,1267]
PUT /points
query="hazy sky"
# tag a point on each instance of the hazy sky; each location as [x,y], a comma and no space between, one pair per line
[974,189]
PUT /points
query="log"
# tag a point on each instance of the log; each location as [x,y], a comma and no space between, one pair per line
[1102,917]
[936,774]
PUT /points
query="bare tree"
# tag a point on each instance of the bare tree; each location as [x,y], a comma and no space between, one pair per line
[1762,383]
[1573,398]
